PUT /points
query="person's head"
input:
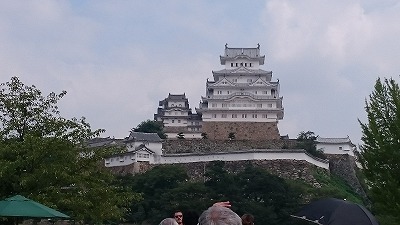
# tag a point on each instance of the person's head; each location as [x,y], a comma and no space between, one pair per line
[178,216]
[168,221]
[247,219]
[217,215]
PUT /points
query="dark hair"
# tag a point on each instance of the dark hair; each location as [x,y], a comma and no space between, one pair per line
[247,219]
[190,217]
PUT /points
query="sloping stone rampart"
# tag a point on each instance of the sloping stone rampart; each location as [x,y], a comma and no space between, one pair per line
[344,166]
[288,169]
[242,130]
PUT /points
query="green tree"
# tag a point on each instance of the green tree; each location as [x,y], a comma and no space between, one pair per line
[380,151]
[151,126]
[44,157]
[231,136]
[306,141]
[154,185]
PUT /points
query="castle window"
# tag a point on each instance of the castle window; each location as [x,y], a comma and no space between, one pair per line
[250,64]
[172,121]
[214,115]
[231,64]
[254,115]
[269,105]
[236,64]
[234,115]
[245,64]
[179,121]
[228,92]
[224,105]
[264,115]
[244,115]
[219,92]
[340,148]
[241,64]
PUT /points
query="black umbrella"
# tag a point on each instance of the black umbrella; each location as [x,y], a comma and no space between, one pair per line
[333,211]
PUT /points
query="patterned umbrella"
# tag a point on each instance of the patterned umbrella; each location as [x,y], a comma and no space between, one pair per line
[19,206]
[333,211]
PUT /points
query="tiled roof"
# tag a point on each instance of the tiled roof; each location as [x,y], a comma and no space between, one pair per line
[100,142]
[257,71]
[177,97]
[139,136]
[333,140]
[251,52]
[143,147]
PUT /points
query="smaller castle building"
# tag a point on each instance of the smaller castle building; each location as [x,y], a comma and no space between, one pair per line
[336,146]
[176,115]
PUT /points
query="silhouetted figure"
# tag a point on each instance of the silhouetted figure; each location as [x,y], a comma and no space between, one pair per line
[247,219]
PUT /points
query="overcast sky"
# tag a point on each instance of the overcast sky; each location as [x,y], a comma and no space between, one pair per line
[117,59]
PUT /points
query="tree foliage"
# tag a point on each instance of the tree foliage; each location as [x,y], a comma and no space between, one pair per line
[166,188]
[151,126]
[44,157]
[306,141]
[380,151]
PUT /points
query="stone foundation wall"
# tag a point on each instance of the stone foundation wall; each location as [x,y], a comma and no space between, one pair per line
[242,130]
[344,166]
[206,145]
[284,168]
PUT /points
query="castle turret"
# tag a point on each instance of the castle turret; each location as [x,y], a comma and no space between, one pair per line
[177,117]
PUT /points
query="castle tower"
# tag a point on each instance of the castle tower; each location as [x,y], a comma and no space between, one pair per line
[242,101]
[177,117]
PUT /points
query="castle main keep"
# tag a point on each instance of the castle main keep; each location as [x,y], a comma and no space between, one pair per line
[242,102]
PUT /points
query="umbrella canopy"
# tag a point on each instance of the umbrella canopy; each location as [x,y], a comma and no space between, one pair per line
[19,206]
[333,211]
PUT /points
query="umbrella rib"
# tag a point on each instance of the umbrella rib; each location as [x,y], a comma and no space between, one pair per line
[304,218]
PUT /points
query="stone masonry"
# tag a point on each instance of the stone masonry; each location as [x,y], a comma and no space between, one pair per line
[288,169]
[241,130]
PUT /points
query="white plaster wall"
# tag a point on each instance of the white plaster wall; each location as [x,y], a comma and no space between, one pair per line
[154,146]
[176,103]
[334,148]
[254,64]
[238,156]
[208,117]
[176,123]
[128,159]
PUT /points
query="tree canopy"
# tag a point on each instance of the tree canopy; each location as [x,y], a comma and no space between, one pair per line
[151,126]
[380,151]
[306,141]
[45,157]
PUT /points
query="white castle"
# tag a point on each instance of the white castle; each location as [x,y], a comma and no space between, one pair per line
[242,101]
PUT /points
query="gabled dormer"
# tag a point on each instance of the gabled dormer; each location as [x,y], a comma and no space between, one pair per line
[261,83]
[222,83]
